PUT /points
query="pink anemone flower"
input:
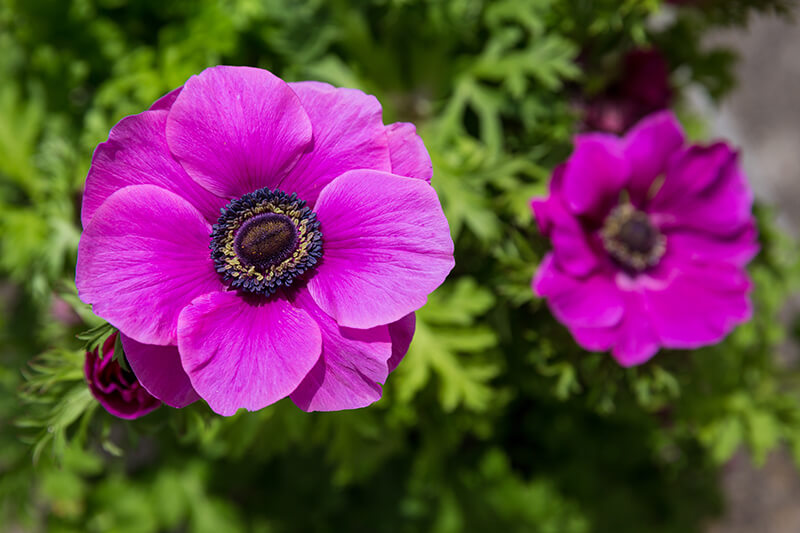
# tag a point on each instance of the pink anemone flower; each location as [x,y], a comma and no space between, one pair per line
[254,239]
[650,241]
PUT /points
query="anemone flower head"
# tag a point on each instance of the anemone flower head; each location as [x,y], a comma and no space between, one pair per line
[114,387]
[254,239]
[650,241]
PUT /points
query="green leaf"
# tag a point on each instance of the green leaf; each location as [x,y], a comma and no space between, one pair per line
[95,337]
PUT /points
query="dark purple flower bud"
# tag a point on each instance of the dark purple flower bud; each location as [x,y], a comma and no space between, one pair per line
[116,388]
[645,79]
[642,88]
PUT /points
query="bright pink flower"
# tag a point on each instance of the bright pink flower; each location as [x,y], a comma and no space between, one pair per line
[324,233]
[650,240]
[116,389]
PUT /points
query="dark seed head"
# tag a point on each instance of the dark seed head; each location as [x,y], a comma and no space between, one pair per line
[631,238]
[266,240]
[638,235]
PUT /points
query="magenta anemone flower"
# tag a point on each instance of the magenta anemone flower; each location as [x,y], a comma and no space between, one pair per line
[650,240]
[115,388]
[254,239]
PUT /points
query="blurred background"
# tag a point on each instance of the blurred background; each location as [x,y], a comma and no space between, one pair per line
[496,419]
[761,115]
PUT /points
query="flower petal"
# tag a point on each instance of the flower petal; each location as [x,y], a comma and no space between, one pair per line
[701,305]
[352,368]
[690,172]
[159,370]
[723,207]
[632,341]
[637,340]
[237,129]
[649,146]
[572,248]
[595,339]
[595,174]
[409,156]
[166,101]
[543,207]
[143,258]
[737,249]
[348,134]
[401,332]
[136,153]
[246,353]
[592,302]
[386,246]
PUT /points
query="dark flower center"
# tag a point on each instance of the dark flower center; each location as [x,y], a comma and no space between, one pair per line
[638,235]
[631,239]
[265,240]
